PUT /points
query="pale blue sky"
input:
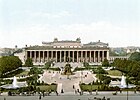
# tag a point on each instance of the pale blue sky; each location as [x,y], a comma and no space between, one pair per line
[30,22]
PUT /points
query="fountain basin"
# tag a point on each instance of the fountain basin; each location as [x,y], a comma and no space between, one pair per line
[121,84]
[10,86]
[14,84]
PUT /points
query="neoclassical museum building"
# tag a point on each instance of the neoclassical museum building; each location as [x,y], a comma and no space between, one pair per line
[68,51]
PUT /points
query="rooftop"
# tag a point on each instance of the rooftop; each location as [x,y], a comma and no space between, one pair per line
[69,44]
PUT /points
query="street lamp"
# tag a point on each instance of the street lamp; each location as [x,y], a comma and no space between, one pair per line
[127,88]
[127,92]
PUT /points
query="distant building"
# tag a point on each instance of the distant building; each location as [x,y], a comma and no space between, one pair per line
[112,58]
[65,50]
[132,49]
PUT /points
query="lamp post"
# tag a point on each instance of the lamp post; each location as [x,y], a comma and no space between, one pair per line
[127,92]
[127,88]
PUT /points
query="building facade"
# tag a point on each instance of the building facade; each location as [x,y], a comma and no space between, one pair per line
[68,51]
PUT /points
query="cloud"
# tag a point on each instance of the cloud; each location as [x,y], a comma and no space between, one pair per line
[104,31]
[51,15]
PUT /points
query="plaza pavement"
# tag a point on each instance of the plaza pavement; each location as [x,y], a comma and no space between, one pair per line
[66,83]
[120,96]
[69,92]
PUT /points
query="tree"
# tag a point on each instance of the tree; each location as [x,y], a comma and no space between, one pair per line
[48,64]
[129,67]
[29,62]
[35,70]
[9,63]
[105,63]
[135,56]
[101,70]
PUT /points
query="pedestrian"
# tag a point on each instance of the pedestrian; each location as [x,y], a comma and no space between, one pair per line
[104,98]
[40,97]
[4,98]
[43,94]
[56,93]
[120,90]
[135,91]
[96,92]
[73,86]
[62,91]
[77,90]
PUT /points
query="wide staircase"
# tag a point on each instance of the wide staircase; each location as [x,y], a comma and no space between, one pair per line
[67,84]
[62,64]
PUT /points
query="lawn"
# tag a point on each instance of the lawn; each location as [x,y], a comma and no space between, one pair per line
[87,87]
[24,73]
[114,72]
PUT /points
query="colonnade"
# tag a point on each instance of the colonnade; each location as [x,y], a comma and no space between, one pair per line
[68,55]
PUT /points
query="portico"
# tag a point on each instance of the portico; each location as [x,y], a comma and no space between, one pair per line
[64,51]
[67,55]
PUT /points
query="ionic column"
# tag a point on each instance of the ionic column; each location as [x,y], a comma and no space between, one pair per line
[56,56]
[82,56]
[60,56]
[47,55]
[39,56]
[30,54]
[86,55]
[73,56]
[90,56]
[107,55]
[51,55]
[69,55]
[77,57]
[94,56]
[102,55]
[98,56]
[43,56]
[64,56]
[34,56]
[25,55]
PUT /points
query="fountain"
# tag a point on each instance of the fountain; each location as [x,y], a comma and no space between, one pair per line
[14,84]
[121,84]
[67,69]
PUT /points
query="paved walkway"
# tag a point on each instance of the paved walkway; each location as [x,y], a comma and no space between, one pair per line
[68,84]
[76,97]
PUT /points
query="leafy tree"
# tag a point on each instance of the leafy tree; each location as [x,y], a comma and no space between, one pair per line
[135,56]
[86,64]
[107,80]
[129,67]
[29,62]
[48,64]
[101,70]
[9,63]
[35,70]
[105,63]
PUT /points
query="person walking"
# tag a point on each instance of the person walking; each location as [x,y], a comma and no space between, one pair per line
[73,87]
[40,97]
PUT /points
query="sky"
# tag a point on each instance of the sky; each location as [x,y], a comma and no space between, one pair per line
[29,22]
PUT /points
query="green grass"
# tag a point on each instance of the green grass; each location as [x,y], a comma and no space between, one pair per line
[87,87]
[114,72]
[48,87]
[24,73]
